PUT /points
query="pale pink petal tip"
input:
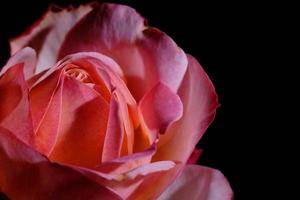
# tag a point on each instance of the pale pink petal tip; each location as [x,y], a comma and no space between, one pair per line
[199,183]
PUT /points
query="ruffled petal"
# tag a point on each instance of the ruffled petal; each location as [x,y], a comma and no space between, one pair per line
[22,169]
[146,55]
[27,56]
[198,182]
[159,108]
[199,107]
[47,34]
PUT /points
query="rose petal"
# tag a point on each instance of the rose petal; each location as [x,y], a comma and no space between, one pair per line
[199,104]
[198,182]
[14,106]
[47,34]
[159,108]
[145,54]
[83,122]
[114,133]
[28,57]
[22,169]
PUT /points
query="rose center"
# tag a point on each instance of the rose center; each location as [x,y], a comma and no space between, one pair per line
[78,73]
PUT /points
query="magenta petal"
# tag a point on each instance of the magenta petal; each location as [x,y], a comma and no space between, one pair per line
[198,183]
[146,55]
[25,173]
[47,34]
[199,107]
[160,107]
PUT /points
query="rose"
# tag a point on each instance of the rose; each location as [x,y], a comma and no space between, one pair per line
[116,117]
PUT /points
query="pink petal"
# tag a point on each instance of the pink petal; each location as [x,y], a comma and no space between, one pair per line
[198,182]
[47,34]
[27,56]
[146,55]
[199,105]
[159,108]
[25,174]
[14,106]
[82,126]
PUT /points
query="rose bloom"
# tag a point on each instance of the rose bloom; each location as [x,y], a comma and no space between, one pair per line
[96,104]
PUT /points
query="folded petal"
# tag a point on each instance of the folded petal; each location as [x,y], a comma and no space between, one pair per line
[198,182]
[159,108]
[14,107]
[199,107]
[27,56]
[25,173]
[47,34]
[146,55]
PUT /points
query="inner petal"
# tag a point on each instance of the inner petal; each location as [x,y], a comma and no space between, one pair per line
[78,73]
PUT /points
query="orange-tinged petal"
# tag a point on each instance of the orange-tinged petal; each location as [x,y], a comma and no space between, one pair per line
[83,124]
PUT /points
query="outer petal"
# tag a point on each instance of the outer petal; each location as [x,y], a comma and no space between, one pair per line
[14,104]
[47,34]
[198,183]
[199,105]
[25,174]
[145,54]
[26,56]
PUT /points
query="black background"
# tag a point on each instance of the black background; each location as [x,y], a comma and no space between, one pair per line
[232,42]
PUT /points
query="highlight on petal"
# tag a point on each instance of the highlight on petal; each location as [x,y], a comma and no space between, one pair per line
[26,56]
[198,182]
[147,56]
[159,108]
[199,108]
[22,169]
[14,104]
[47,34]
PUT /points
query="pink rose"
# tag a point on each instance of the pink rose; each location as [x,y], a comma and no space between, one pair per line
[102,106]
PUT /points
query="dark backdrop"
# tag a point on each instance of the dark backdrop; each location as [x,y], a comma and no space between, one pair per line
[224,38]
